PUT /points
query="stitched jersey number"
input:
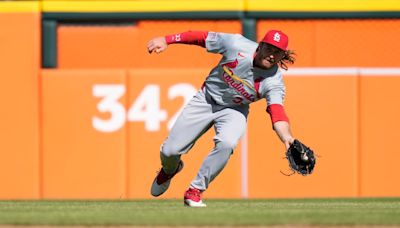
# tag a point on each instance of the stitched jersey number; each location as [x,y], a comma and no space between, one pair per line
[145,108]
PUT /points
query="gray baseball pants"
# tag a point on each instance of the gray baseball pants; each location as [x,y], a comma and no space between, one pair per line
[196,118]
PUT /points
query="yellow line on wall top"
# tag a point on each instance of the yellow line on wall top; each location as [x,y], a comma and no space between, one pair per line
[19,6]
[143,6]
[200,6]
[323,5]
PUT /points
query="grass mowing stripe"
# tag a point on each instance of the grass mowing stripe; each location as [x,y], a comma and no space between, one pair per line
[377,211]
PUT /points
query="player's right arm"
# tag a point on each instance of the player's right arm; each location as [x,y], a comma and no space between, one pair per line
[159,44]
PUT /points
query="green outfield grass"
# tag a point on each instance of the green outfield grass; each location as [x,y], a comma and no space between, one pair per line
[382,211]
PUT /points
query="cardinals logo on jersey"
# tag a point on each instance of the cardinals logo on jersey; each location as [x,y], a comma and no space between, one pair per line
[232,65]
[245,89]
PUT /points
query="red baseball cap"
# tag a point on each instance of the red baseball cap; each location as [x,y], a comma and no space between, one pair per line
[276,38]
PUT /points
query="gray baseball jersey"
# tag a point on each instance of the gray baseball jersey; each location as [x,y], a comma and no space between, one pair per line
[234,81]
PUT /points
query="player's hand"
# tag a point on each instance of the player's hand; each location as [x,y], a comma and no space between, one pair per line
[157,45]
[288,142]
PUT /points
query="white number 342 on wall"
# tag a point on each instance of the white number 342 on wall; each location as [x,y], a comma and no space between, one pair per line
[145,108]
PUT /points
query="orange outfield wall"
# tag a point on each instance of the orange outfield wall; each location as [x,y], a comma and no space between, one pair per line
[339,124]
[78,161]
[61,139]
[340,42]
[324,119]
[379,118]
[322,43]
[125,46]
[118,157]
[19,115]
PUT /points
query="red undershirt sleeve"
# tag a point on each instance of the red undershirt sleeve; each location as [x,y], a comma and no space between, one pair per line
[189,37]
[277,113]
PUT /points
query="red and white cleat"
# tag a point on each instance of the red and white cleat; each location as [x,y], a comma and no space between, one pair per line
[162,181]
[192,198]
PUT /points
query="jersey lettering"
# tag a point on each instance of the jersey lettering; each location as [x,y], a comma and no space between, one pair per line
[238,84]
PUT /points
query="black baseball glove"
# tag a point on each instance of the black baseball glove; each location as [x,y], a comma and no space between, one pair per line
[301,158]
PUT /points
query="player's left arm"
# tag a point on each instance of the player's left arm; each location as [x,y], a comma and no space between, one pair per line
[275,94]
[282,129]
[280,123]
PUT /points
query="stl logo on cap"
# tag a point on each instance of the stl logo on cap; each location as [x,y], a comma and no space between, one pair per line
[276,38]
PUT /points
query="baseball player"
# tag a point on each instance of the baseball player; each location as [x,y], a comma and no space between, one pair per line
[247,72]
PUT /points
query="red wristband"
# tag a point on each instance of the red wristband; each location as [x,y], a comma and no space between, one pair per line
[277,113]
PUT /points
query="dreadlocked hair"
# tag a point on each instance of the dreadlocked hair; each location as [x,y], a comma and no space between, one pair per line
[288,59]
[288,56]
